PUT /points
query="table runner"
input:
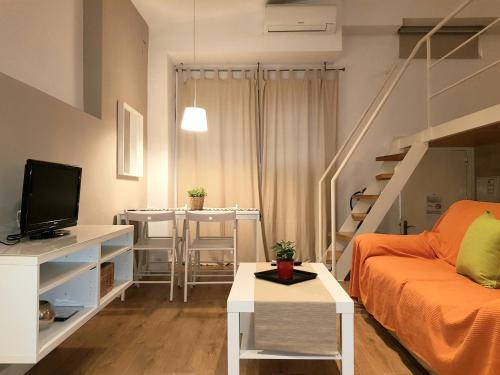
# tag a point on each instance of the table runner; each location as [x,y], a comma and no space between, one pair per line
[299,318]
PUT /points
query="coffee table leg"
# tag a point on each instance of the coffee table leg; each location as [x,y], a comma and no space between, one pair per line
[347,343]
[233,343]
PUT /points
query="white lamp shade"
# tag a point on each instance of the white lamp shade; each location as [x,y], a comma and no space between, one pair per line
[194,119]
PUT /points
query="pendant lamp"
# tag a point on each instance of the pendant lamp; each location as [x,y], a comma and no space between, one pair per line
[194,118]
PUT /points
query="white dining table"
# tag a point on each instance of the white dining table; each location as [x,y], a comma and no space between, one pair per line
[241,214]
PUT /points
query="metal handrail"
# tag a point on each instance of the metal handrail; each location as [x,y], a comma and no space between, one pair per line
[482,70]
[322,233]
[476,35]
[376,112]
[459,82]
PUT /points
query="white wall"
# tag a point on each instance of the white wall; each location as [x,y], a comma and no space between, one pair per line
[487,160]
[368,59]
[161,114]
[42,46]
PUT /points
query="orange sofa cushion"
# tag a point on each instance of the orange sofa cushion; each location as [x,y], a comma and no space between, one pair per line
[449,231]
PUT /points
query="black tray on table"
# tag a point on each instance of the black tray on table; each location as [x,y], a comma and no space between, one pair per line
[298,276]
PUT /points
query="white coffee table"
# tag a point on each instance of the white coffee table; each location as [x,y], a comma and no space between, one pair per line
[240,306]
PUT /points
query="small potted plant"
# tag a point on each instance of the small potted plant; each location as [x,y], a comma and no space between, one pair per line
[196,198]
[285,250]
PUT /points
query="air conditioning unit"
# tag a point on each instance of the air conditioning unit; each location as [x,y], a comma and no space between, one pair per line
[300,18]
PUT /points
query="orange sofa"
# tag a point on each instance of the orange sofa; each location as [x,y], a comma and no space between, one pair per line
[409,284]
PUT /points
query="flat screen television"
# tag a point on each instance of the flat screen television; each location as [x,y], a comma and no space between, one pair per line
[51,196]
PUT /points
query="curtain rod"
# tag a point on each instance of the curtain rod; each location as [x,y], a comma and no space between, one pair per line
[244,70]
[258,66]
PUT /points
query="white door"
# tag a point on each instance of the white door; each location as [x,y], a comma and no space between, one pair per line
[444,176]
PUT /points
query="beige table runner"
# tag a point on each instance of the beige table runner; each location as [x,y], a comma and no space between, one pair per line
[297,318]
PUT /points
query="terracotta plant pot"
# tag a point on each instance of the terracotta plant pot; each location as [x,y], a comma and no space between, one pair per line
[195,203]
[285,269]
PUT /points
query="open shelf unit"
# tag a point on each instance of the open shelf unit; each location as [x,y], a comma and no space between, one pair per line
[108,252]
[118,251]
[120,286]
[53,274]
[66,272]
[50,338]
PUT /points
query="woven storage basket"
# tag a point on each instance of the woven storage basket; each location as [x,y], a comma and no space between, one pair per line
[107,277]
[195,203]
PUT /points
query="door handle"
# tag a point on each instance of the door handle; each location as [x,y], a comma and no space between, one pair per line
[406,227]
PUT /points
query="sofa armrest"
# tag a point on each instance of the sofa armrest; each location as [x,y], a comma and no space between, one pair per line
[373,244]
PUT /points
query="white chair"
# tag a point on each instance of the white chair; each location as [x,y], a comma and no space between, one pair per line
[198,244]
[146,244]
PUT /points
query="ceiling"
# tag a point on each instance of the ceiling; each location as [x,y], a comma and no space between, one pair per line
[159,13]
[231,31]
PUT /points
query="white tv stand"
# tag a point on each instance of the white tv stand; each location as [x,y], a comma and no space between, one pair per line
[64,271]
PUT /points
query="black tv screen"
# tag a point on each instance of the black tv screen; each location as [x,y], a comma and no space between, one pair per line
[51,195]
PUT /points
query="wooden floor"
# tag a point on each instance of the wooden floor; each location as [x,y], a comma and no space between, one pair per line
[146,334]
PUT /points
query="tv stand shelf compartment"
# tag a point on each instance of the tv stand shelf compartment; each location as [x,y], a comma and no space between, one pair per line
[109,252]
[64,271]
[53,274]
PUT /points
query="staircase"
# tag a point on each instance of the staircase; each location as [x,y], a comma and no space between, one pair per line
[395,168]
[371,206]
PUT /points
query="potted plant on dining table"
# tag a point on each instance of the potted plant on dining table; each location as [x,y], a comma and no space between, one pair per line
[196,198]
[285,251]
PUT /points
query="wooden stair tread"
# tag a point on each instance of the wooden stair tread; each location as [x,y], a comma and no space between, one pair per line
[358,216]
[365,197]
[392,157]
[345,236]
[384,176]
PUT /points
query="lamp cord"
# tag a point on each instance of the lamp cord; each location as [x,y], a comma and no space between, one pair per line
[194,46]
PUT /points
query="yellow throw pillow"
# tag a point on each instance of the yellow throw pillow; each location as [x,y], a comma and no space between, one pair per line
[479,255]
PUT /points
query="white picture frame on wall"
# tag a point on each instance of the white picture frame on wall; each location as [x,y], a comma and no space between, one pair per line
[130,141]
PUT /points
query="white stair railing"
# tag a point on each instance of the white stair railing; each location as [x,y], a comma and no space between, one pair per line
[322,235]
[388,92]
[430,65]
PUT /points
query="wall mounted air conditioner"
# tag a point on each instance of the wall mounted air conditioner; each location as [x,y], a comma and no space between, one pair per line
[300,18]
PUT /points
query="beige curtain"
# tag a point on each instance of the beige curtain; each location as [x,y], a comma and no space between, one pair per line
[298,136]
[224,159]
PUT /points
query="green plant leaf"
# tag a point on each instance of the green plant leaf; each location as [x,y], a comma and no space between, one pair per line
[197,192]
[285,250]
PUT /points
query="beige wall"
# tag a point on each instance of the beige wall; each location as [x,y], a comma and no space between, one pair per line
[488,160]
[36,125]
[42,45]
[92,57]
